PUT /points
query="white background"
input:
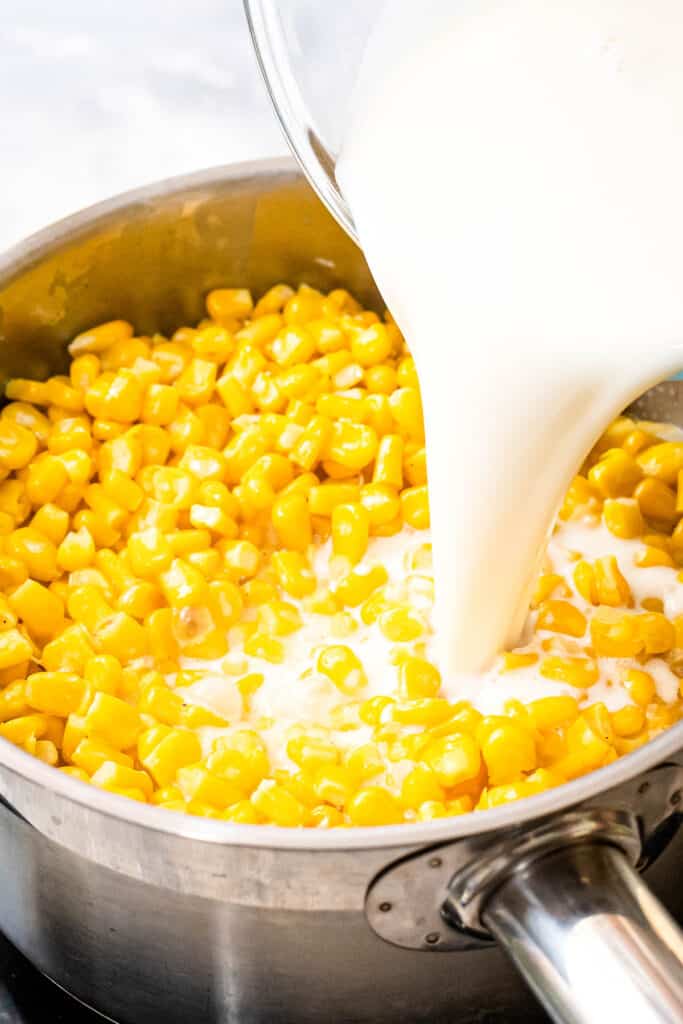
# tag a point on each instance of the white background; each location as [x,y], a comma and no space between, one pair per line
[98,96]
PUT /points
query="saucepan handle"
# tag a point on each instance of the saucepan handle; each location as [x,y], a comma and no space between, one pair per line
[589,937]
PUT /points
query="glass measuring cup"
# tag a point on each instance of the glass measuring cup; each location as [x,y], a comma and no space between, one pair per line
[310,54]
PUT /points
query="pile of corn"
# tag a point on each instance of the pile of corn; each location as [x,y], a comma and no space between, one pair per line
[164,501]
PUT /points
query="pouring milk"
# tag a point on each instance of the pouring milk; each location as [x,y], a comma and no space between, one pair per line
[515,172]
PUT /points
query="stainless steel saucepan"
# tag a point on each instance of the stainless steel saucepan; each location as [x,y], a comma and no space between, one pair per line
[151,916]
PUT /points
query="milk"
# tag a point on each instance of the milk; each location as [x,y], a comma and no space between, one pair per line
[515,172]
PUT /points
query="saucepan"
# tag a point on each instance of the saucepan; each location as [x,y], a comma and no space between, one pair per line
[148,915]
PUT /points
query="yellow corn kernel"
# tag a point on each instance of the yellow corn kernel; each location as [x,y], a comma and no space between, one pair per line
[294,573]
[69,651]
[371,346]
[261,645]
[453,759]
[83,371]
[576,671]
[305,305]
[380,379]
[615,634]
[334,784]
[628,721]
[623,517]
[14,648]
[323,499]
[415,507]
[103,673]
[140,599]
[656,500]
[418,678]
[662,461]
[149,552]
[161,703]
[561,617]
[415,466]
[8,617]
[364,762]
[79,468]
[311,752]
[339,663]
[512,660]
[261,331]
[41,611]
[401,625]
[45,479]
[650,556]
[196,783]
[406,409]
[293,344]
[163,645]
[356,587]
[614,435]
[113,720]
[117,778]
[278,618]
[548,584]
[76,551]
[584,581]
[20,730]
[115,396]
[586,750]
[56,693]
[224,305]
[611,587]
[640,687]
[240,757]
[615,475]
[278,805]
[175,749]
[17,445]
[553,712]
[36,551]
[374,805]
[351,445]
[292,521]
[425,711]
[350,531]
[13,701]
[91,754]
[97,339]
[51,522]
[657,635]
[324,816]
[31,391]
[507,748]
[244,813]
[61,394]
[419,786]
[312,444]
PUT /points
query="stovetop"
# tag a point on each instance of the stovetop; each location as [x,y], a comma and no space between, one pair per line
[26,997]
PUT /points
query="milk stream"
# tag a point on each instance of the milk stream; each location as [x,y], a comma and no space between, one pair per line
[515,174]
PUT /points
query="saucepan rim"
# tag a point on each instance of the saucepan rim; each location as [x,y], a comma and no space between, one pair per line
[30,252]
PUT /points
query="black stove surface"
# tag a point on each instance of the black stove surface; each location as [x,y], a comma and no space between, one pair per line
[26,997]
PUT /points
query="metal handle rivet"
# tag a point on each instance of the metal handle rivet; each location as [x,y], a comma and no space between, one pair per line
[432,938]
[385,907]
